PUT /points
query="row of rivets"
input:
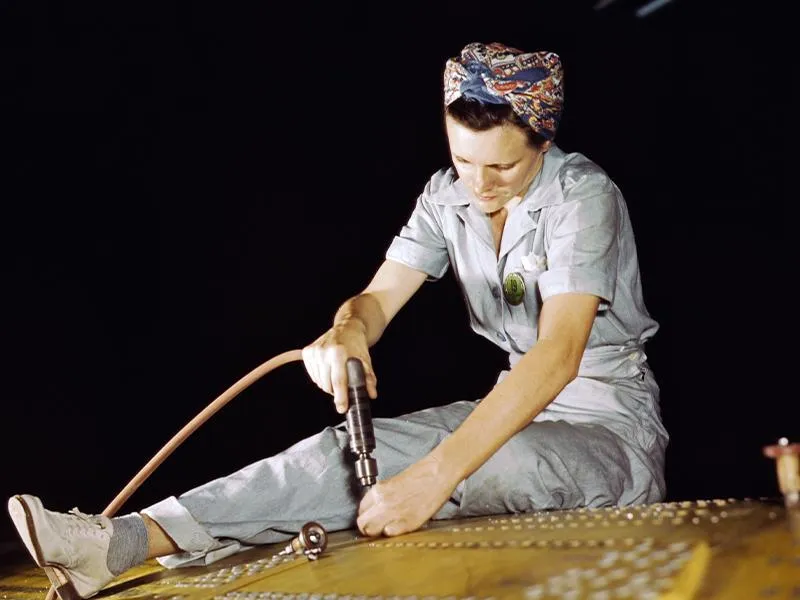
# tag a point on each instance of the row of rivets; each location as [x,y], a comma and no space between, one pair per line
[614,512]
[228,575]
[570,543]
[642,511]
[617,521]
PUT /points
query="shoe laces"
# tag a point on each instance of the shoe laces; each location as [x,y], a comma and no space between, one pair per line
[83,524]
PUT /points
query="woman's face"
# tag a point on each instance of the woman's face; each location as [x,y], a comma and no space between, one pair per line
[496,165]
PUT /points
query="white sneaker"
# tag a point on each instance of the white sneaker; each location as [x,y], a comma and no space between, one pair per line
[72,548]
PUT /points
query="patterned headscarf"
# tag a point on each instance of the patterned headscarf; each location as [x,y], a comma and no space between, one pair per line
[532,83]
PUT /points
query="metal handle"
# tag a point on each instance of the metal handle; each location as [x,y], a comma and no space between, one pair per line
[359,423]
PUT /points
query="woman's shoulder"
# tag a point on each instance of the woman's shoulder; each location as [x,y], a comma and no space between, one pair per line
[441,181]
[442,189]
[575,170]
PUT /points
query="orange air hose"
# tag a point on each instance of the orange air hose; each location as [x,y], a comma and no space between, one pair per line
[192,426]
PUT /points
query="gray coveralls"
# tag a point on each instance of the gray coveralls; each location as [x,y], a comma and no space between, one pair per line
[599,443]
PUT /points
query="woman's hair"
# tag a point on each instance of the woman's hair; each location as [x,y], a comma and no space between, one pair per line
[480,116]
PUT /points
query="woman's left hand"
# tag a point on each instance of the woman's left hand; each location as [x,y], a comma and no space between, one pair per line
[405,502]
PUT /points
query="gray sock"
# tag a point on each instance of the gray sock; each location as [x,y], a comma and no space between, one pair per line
[128,546]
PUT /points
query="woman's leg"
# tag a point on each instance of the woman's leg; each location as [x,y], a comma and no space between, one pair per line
[270,500]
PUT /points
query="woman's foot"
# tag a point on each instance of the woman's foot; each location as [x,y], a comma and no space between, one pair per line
[71,547]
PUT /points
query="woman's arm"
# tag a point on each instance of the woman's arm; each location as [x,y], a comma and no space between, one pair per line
[405,502]
[539,376]
[357,325]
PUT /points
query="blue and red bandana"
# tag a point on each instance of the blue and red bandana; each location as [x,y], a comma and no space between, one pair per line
[531,83]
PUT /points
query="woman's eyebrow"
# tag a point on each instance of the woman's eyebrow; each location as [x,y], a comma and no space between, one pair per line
[504,164]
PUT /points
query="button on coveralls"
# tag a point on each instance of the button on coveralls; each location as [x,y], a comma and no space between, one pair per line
[599,443]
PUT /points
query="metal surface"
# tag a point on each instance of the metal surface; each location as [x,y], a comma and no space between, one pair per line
[705,549]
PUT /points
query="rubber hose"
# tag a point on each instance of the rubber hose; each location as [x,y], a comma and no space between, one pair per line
[192,426]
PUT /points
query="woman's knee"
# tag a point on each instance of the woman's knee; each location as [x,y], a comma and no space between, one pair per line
[549,466]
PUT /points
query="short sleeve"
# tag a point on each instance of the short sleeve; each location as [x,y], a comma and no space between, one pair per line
[583,242]
[421,242]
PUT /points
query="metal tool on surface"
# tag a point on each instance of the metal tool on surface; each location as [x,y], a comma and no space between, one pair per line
[359,424]
[787,464]
[311,541]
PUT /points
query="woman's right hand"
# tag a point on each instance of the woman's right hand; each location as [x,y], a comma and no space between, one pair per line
[325,360]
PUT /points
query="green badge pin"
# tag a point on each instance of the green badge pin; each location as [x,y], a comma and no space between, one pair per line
[514,288]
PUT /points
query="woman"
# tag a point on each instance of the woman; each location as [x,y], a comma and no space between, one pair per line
[542,247]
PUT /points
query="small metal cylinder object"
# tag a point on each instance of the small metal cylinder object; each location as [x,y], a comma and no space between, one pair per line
[311,541]
[359,423]
[787,463]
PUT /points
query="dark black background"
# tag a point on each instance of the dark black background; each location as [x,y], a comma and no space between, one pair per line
[191,189]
